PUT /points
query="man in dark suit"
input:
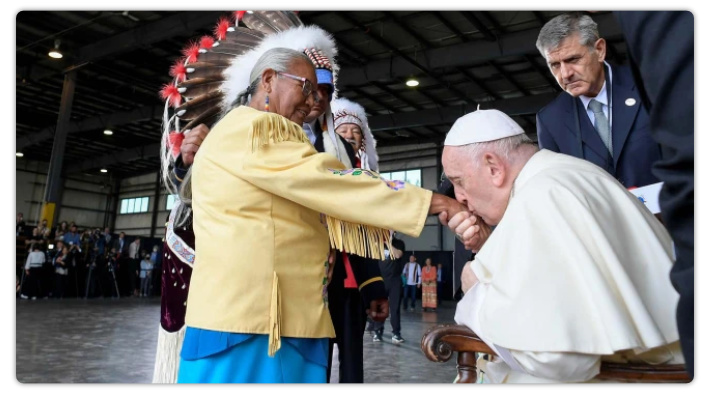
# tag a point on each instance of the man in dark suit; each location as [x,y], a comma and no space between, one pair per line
[662,58]
[599,117]
[122,269]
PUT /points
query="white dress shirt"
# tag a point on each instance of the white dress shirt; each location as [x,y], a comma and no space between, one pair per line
[413,272]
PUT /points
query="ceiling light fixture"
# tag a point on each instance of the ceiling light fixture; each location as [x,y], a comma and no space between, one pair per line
[108,132]
[19,154]
[104,170]
[54,53]
[412,82]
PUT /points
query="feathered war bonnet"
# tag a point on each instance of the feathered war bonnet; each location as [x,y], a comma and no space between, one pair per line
[313,41]
[194,96]
[346,111]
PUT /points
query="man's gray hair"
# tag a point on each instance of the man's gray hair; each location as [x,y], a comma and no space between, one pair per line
[277,59]
[507,148]
[563,26]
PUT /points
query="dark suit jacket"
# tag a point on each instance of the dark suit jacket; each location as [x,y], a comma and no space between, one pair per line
[634,149]
[661,47]
[116,243]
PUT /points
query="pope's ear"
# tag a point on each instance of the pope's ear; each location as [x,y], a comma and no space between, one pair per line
[495,168]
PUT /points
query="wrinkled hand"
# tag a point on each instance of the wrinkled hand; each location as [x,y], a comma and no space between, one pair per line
[191,143]
[470,229]
[379,309]
[468,278]
[441,204]
[331,264]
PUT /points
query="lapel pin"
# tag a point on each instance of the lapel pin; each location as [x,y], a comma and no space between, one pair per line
[630,102]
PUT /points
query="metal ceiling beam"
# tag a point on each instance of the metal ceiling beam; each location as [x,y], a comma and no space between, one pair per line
[440,16]
[509,78]
[122,157]
[478,82]
[478,25]
[166,28]
[407,58]
[378,123]
[464,54]
[386,89]
[383,105]
[108,120]
[512,107]
[496,26]
[543,71]
[540,18]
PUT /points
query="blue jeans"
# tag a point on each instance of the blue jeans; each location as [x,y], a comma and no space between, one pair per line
[413,290]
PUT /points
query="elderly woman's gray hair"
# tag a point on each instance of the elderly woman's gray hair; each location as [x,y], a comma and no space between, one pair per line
[566,25]
[277,59]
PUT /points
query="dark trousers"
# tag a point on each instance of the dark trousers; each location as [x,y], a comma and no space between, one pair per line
[134,279]
[439,290]
[410,290]
[394,295]
[60,282]
[32,285]
[348,315]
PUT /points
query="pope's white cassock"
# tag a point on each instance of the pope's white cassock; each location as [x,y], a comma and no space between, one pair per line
[575,273]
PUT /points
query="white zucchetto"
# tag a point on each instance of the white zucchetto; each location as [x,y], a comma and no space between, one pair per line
[482,126]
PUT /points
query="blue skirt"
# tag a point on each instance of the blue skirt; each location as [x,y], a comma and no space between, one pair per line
[249,362]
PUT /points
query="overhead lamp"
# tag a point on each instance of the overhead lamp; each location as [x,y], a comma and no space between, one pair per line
[108,132]
[104,170]
[412,82]
[54,53]
[19,154]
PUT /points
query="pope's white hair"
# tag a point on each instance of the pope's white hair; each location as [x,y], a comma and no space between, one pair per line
[507,148]
[299,38]
[353,108]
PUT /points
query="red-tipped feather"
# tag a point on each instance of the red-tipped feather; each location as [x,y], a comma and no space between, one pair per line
[175,141]
[220,31]
[238,15]
[206,42]
[170,92]
[191,51]
[178,70]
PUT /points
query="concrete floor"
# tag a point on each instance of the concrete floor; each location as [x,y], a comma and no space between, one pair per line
[113,341]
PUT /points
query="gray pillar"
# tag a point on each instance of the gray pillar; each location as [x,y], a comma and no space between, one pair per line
[52,192]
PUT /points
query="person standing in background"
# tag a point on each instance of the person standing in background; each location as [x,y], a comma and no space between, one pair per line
[599,117]
[439,283]
[429,274]
[146,276]
[413,275]
[391,269]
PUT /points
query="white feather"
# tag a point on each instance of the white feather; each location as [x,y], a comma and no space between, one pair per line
[299,38]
